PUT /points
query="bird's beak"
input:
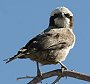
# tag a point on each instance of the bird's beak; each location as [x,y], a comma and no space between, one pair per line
[61,15]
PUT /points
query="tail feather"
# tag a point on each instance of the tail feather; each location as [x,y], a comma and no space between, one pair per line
[20,54]
[12,58]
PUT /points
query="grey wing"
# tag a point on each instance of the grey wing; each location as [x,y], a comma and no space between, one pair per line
[52,40]
[58,39]
[24,50]
[46,41]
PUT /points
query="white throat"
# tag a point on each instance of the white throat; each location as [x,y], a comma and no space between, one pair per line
[64,22]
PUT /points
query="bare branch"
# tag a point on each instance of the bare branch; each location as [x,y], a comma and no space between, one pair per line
[58,72]
[25,77]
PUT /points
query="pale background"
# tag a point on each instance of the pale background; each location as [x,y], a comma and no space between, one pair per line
[21,20]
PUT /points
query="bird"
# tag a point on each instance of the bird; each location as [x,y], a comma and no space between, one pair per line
[53,44]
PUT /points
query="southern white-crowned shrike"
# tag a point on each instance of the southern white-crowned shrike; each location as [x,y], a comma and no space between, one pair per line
[53,44]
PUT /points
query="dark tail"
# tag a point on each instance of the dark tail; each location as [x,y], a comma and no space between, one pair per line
[13,58]
[10,59]
[20,54]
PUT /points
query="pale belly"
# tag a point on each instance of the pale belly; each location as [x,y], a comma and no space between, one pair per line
[50,57]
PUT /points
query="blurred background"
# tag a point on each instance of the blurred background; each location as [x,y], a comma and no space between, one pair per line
[21,20]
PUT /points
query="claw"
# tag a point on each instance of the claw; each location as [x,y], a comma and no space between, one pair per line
[63,67]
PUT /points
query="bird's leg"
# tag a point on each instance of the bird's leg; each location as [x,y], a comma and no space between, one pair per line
[63,67]
[39,72]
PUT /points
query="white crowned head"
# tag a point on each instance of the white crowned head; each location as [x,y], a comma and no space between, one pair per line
[61,17]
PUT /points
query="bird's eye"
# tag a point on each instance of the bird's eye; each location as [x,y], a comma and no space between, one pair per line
[56,15]
[67,15]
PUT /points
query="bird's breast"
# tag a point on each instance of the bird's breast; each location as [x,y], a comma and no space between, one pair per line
[54,46]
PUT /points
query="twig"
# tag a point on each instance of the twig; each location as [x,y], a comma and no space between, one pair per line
[58,72]
[25,77]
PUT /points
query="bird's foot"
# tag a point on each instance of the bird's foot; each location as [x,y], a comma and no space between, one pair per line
[63,67]
[39,74]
